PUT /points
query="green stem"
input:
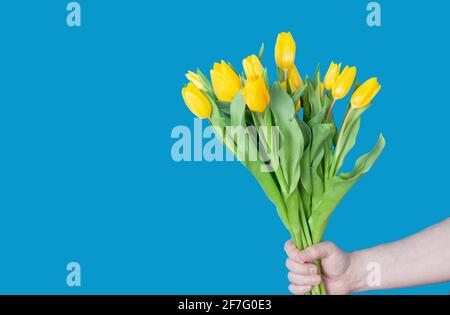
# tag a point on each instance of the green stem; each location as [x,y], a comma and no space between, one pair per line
[316,290]
[330,111]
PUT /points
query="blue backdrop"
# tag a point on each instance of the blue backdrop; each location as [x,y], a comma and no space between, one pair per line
[86,116]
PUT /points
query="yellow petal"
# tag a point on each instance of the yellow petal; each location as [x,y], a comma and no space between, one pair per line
[252,67]
[256,95]
[332,75]
[226,83]
[285,51]
[365,93]
[295,80]
[196,101]
[195,79]
[344,82]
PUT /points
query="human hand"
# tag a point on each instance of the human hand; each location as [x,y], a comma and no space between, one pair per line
[303,274]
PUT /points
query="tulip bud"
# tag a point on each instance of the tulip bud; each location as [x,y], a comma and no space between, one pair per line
[322,90]
[256,95]
[285,51]
[252,67]
[195,79]
[284,85]
[226,83]
[299,104]
[365,93]
[196,101]
[344,82]
[332,75]
[295,80]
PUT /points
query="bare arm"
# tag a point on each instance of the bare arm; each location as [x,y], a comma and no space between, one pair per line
[420,259]
[423,258]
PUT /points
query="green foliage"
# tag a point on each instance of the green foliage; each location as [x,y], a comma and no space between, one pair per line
[302,177]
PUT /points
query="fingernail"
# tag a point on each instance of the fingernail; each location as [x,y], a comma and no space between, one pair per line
[312,270]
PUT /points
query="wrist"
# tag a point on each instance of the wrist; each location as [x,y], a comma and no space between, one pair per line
[357,272]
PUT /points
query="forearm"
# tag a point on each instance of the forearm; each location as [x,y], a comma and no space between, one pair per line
[420,259]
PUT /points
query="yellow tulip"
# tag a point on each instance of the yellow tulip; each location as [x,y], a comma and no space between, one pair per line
[252,67]
[284,85]
[195,79]
[196,101]
[226,83]
[256,95]
[344,82]
[295,80]
[297,107]
[365,93]
[332,75]
[285,51]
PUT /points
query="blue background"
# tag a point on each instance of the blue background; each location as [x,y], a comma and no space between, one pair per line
[86,116]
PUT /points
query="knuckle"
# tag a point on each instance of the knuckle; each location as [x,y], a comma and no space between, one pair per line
[329,246]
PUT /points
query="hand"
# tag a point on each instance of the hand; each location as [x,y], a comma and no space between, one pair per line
[303,274]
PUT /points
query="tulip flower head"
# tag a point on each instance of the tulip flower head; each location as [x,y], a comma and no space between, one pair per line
[252,67]
[196,101]
[344,82]
[226,83]
[256,95]
[365,93]
[332,75]
[295,80]
[285,51]
[195,79]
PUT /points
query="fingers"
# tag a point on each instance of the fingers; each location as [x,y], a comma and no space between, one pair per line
[301,268]
[314,252]
[302,275]
[304,280]
[292,252]
[299,290]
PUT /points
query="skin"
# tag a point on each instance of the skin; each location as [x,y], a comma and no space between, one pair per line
[423,258]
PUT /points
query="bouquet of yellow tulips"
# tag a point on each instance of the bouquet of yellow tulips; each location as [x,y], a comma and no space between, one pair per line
[286,135]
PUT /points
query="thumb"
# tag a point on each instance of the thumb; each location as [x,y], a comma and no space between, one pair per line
[317,251]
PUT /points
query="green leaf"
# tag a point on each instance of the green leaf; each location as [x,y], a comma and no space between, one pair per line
[292,142]
[237,110]
[205,81]
[314,100]
[280,74]
[348,140]
[306,104]
[321,133]
[216,115]
[266,77]
[298,93]
[337,187]
[365,162]
[305,169]
[316,79]
[261,52]
[265,179]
